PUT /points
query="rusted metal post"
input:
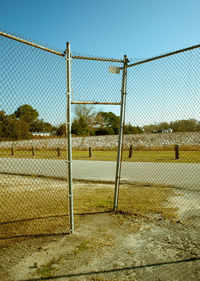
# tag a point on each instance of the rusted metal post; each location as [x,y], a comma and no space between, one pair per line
[33,151]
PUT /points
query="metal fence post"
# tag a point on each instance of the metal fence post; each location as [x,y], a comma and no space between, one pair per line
[122,116]
[69,142]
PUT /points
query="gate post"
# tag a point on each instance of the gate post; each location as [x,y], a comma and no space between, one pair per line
[69,142]
[122,118]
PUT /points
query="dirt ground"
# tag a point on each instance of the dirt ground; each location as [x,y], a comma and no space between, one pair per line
[153,244]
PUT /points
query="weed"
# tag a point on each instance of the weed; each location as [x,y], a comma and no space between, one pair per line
[81,247]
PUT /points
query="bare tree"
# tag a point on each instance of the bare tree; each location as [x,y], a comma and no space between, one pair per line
[86,113]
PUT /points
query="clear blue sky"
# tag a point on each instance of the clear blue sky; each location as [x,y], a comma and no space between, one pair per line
[112,28]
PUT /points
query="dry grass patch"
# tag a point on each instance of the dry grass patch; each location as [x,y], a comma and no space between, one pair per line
[93,199]
[38,205]
[32,206]
[143,200]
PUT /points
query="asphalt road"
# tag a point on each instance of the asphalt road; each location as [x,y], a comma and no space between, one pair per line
[183,175]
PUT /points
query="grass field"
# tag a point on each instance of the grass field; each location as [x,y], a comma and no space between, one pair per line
[37,205]
[185,156]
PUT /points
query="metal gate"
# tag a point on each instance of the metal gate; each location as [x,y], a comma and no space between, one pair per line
[96,82]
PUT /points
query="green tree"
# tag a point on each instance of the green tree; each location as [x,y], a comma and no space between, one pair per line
[190,125]
[61,130]
[80,127]
[2,120]
[129,129]
[104,131]
[198,126]
[2,115]
[26,113]
[40,126]
[18,125]
[162,126]
[107,120]
[150,128]
[15,129]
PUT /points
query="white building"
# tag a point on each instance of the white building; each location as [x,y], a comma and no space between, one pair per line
[167,131]
[42,134]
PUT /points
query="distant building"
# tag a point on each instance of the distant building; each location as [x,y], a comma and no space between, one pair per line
[42,134]
[167,131]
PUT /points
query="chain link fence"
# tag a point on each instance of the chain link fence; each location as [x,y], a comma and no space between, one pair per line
[135,124]
[160,171]
[162,103]
[92,80]
[160,164]
[95,97]
[32,108]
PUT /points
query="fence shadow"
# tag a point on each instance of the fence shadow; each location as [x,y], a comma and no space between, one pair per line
[8,225]
[30,219]
[92,213]
[35,235]
[114,270]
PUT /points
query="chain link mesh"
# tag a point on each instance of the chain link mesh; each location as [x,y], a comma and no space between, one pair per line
[158,219]
[93,82]
[33,106]
[94,89]
[162,162]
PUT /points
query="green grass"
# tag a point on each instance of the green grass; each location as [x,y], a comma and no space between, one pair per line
[138,156]
[96,155]
[163,156]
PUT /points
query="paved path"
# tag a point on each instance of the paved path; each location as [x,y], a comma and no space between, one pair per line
[183,175]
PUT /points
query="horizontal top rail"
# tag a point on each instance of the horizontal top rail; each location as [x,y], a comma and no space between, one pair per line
[96,58]
[164,55]
[31,44]
[96,102]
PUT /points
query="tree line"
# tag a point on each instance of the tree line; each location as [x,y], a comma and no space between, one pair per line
[189,125]
[22,123]
[87,122]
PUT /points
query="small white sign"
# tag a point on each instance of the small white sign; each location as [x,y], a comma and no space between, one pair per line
[114,69]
